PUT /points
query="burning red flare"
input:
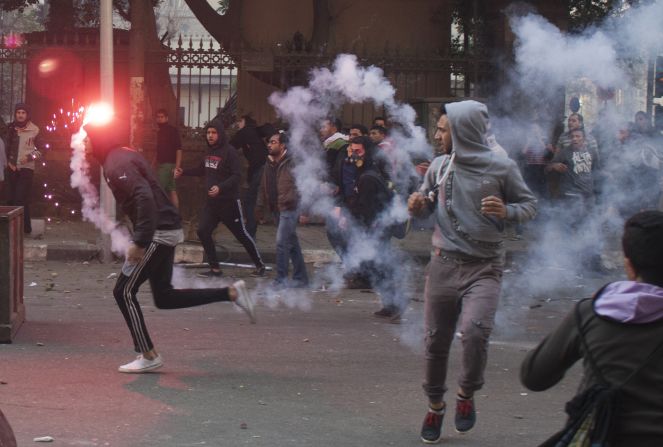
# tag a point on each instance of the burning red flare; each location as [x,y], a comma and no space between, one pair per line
[98,114]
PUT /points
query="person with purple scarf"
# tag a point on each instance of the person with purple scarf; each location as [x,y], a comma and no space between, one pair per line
[623,328]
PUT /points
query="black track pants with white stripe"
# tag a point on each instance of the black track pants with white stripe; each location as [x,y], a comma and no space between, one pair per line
[157,267]
[228,212]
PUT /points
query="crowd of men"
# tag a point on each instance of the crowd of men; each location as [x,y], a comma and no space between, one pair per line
[584,168]
[471,190]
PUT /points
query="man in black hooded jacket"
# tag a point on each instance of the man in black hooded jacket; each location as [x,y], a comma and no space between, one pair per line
[361,235]
[222,176]
[156,231]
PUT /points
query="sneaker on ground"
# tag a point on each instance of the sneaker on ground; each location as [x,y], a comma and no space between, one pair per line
[278,284]
[357,282]
[210,274]
[431,429]
[141,365]
[299,285]
[244,300]
[466,415]
[259,272]
[387,312]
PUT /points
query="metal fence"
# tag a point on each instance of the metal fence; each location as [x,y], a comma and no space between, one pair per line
[204,79]
[204,76]
[13,63]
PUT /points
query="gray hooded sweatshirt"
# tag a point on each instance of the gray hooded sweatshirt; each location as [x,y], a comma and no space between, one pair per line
[476,172]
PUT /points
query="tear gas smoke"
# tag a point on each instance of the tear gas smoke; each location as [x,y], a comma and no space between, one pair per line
[90,209]
[304,109]
[527,110]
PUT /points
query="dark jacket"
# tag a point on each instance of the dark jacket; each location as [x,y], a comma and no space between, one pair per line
[168,143]
[287,197]
[371,197]
[249,140]
[220,167]
[137,192]
[622,326]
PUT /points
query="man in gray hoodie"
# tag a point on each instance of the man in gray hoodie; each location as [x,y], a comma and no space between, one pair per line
[473,192]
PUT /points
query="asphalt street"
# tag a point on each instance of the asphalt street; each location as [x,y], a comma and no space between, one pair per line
[316,370]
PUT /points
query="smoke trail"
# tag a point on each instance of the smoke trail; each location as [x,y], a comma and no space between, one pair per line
[80,179]
[547,61]
[304,108]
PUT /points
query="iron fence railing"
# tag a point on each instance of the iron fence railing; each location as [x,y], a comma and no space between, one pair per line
[13,63]
[204,76]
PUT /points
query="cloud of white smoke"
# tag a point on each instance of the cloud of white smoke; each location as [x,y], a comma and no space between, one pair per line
[90,209]
[548,60]
[304,109]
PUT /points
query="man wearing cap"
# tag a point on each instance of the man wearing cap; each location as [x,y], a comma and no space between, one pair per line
[21,155]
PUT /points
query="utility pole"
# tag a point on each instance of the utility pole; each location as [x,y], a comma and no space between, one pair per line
[107,96]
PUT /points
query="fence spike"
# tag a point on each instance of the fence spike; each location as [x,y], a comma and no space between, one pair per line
[200,46]
[190,43]
[179,42]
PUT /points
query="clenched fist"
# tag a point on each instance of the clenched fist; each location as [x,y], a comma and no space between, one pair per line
[416,203]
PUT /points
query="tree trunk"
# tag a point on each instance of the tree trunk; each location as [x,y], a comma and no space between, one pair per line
[61,15]
[321,24]
[150,83]
[137,36]
[225,29]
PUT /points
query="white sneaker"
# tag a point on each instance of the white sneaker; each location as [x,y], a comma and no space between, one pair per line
[141,365]
[244,300]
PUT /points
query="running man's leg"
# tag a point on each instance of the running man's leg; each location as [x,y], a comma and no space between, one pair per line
[209,219]
[480,297]
[441,307]
[166,297]
[233,219]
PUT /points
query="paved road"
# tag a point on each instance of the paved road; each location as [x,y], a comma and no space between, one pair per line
[317,369]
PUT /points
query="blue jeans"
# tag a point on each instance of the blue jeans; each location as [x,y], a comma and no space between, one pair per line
[287,248]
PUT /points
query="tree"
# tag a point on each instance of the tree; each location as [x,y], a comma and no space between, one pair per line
[69,14]
[224,28]
[584,13]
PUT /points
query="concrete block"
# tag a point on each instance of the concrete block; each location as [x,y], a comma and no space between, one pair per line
[189,253]
[38,228]
[33,251]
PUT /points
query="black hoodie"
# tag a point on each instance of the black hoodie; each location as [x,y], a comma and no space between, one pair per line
[132,182]
[220,166]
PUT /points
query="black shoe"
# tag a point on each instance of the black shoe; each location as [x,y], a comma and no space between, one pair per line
[299,285]
[357,282]
[259,272]
[466,415]
[389,312]
[278,285]
[210,274]
[431,429]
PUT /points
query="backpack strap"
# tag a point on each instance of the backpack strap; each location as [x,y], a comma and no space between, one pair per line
[592,360]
